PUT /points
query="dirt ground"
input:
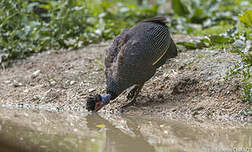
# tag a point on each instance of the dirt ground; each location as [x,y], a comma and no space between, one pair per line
[191,86]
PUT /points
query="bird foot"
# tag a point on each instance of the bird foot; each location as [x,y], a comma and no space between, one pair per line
[131,103]
[132,93]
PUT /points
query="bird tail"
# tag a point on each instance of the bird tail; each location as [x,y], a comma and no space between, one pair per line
[159,20]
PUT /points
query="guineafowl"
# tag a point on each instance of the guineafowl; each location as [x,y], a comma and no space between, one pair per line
[133,58]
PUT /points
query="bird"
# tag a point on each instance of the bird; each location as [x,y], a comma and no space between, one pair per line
[133,59]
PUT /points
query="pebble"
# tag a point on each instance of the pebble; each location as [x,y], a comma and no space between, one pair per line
[75,130]
[173,109]
[84,84]
[195,113]
[26,90]
[17,84]
[91,90]
[7,82]
[52,82]
[249,119]
[198,108]
[72,82]
[67,81]
[35,74]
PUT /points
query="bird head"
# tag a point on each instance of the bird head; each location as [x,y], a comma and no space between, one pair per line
[95,103]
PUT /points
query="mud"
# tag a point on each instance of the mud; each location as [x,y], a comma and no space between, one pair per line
[192,86]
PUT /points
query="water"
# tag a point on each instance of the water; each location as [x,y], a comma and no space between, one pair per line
[27,130]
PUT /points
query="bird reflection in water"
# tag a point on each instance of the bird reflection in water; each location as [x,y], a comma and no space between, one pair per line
[118,141]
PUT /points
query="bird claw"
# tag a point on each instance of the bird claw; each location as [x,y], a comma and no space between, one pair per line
[131,93]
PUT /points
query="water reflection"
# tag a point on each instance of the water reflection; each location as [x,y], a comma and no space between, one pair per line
[118,141]
[29,130]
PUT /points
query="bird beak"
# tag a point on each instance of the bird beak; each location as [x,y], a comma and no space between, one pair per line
[98,106]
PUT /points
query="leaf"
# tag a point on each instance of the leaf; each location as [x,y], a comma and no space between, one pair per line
[219,39]
[179,7]
[195,44]
[45,6]
[246,18]
[188,45]
[100,126]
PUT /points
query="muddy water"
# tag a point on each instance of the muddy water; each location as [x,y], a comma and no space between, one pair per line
[31,130]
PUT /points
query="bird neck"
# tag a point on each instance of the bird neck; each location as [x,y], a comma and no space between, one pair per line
[112,95]
[106,99]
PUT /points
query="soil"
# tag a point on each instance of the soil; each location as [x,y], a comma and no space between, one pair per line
[192,86]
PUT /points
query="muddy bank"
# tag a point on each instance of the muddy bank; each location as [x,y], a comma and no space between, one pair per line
[191,86]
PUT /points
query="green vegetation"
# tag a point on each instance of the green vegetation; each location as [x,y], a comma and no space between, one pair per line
[225,25]
[28,26]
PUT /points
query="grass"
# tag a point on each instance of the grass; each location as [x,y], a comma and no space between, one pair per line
[216,29]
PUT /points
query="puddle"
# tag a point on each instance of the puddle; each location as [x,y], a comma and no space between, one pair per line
[31,130]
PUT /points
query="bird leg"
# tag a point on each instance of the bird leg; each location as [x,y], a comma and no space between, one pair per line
[133,93]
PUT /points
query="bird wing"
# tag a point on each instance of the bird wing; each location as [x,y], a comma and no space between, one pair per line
[160,20]
[114,49]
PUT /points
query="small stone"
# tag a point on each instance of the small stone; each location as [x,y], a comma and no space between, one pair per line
[249,119]
[7,82]
[198,108]
[75,130]
[72,82]
[91,90]
[173,109]
[26,90]
[52,82]
[195,113]
[26,114]
[84,84]
[35,74]
[160,96]
[17,84]
[239,44]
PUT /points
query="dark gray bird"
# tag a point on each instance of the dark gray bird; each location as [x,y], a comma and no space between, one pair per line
[133,58]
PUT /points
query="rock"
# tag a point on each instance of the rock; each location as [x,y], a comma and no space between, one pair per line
[26,90]
[35,74]
[198,108]
[84,84]
[17,84]
[195,113]
[249,119]
[173,109]
[52,82]
[91,90]
[72,82]
[7,82]
[239,44]
[67,81]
